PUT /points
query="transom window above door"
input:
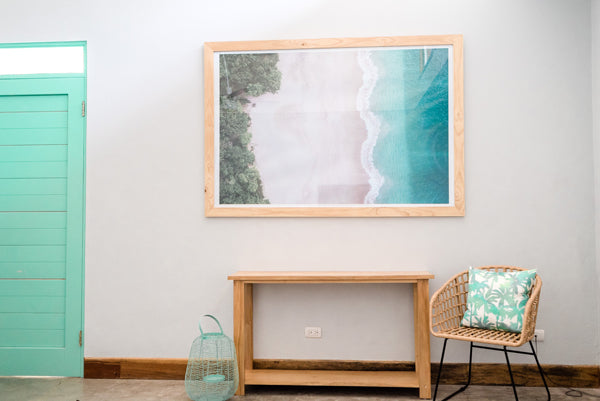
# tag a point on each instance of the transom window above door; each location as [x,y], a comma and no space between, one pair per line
[32,58]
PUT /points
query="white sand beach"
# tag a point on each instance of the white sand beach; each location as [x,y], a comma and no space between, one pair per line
[307,137]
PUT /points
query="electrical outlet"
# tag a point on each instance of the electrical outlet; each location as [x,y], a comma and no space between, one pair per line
[312,332]
[539,335]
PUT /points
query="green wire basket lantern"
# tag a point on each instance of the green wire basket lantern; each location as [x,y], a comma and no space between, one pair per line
[212,371]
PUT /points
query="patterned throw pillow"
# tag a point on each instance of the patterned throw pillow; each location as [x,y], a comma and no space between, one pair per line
[497,300]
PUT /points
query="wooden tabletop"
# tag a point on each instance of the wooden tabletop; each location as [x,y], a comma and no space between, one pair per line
[330,276]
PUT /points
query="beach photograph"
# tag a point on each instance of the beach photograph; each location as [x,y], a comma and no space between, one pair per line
[330,127]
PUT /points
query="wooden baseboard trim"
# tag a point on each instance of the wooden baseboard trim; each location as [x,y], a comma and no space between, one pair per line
[453,373]
[135,368]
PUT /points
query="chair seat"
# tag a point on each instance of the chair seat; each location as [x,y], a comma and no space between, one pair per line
[495,337]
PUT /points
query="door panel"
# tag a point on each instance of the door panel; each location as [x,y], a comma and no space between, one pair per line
[30,104]
[33,169]
[33,136]
[34,186]
[32,236]
[41,226]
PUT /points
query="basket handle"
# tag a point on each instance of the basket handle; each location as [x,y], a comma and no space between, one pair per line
[213,318]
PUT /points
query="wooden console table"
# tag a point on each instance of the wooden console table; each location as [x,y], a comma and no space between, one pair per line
[242,332]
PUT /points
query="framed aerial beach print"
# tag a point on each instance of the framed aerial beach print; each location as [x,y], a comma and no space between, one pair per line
[354,127]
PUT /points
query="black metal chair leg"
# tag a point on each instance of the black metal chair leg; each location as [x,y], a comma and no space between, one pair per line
[540,369]
[512,380]
[506,351]
[470,364]
[437,382]
[463,388]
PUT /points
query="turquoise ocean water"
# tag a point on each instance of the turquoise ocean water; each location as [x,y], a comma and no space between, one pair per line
[405,102]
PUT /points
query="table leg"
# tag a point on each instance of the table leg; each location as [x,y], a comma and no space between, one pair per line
[422,350]
[242,330]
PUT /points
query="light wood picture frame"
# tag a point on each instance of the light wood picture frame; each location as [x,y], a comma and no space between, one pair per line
[348,127]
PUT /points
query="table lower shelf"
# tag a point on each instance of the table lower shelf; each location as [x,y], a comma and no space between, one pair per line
[351,378]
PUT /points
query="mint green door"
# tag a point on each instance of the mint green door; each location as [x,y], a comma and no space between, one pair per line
[42,150]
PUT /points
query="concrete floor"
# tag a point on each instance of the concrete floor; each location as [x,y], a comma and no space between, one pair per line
[74,389]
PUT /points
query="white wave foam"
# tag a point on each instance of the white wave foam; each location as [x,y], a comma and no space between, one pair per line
[372,123]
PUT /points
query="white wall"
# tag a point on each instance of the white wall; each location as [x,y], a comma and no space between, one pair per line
[154,263]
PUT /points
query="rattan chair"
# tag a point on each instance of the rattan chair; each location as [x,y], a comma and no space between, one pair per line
[448,305]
